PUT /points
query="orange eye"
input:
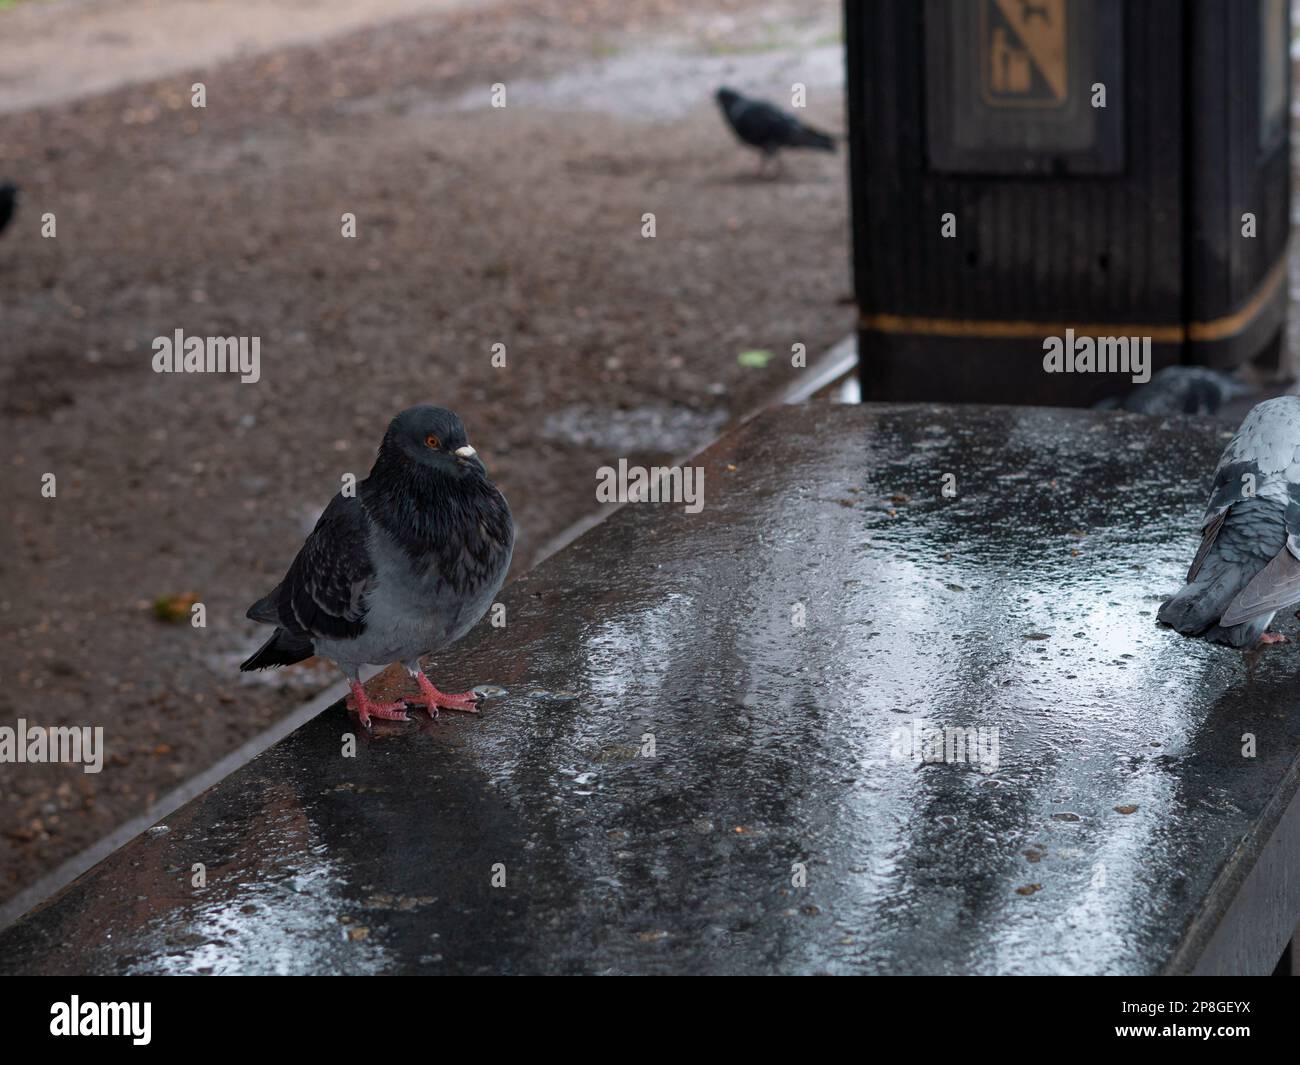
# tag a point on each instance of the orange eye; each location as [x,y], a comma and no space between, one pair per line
[432,441]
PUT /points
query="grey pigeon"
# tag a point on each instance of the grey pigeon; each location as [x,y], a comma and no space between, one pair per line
[1181,390]
[8,203]
[1248,565]
[405,566]
[767,128]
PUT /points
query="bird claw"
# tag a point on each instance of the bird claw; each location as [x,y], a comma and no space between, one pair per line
[1272,637]
[431,698]
[365,708]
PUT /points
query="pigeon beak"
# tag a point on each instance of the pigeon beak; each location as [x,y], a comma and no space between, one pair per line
[465,452]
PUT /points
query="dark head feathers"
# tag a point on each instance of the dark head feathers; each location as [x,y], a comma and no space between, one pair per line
[423,434]
[430,492]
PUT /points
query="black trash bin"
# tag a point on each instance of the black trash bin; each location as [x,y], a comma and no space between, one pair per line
[1035,175]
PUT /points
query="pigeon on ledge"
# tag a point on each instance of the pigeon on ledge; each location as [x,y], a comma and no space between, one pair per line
[1181,390]
[1248,565]
[405,566]
[768,128]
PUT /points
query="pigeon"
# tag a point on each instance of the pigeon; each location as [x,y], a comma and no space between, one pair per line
[8,203]
[767,128]
[1248,564]
[404,566]
[1181,390]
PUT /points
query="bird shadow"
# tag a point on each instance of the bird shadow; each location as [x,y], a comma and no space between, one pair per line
[750,177]
[755,178]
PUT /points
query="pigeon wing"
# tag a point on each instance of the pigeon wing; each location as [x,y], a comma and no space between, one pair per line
[1208,537]
[1263,459]
[1233,482]
[1275,586]
[267,609]
[324,592]
[1276,458]
[760,123]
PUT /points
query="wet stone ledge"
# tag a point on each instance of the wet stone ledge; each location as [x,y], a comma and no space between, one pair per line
[785,651]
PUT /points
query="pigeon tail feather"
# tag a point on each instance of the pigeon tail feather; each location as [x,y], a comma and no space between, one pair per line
[1197,608]
[282,649]
[1198,605]
[815,138]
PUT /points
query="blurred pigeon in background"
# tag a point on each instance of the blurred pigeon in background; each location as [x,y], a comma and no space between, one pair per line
[404,567]
[1181,390]
[8,203]
[1248,565]
[768,128]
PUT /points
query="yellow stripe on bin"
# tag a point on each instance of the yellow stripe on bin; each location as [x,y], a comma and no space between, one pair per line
[996,329]
[1234,323]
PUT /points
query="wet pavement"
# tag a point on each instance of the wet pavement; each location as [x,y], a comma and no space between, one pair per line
[618,345]
[712,755]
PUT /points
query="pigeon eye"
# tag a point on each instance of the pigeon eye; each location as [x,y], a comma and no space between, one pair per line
[432,441]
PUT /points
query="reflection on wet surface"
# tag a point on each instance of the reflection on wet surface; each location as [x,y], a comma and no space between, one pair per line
[744,678]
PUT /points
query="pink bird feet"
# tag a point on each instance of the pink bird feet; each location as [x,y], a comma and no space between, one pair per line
[367,708]
[1272,637]
[431,698]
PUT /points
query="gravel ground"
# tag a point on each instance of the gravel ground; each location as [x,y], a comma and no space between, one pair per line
[476,226]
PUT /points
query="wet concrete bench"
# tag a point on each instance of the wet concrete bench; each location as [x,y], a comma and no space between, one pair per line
[894,701]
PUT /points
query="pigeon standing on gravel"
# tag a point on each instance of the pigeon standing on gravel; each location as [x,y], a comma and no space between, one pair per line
[8,202]
[768,128]
[405,566]
[1248,565]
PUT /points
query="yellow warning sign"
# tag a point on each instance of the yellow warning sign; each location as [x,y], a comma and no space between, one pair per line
[1023,52]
